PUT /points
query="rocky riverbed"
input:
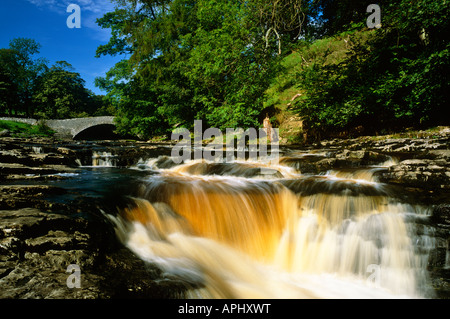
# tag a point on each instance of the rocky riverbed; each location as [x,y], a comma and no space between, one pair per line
[40,236]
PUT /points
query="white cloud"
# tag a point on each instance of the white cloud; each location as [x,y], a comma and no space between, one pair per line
[60,6]
[97,6]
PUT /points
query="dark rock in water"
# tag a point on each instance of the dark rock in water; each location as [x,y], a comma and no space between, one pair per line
[440,255]
[4,133]
[309,164]
[165,162]
[441,215]
[232,169]
[364,157]
[316,163]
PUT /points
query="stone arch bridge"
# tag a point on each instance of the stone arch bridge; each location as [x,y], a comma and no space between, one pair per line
[99,127]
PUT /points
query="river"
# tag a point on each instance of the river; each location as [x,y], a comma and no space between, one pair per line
[229,231]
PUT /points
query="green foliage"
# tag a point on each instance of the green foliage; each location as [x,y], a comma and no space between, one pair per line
[210,60]
[9,91]
[61,93]
[25,130]
[219,61]
[30,68]
[20,69]
[28,87]
[388,79]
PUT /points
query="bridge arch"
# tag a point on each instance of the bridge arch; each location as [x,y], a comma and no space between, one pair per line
[74,128]
[71,128]
[97,132]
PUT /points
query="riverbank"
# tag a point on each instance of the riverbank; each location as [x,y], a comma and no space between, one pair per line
[41,235]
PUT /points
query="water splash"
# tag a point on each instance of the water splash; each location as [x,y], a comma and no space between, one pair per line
[103,159]
[240,236]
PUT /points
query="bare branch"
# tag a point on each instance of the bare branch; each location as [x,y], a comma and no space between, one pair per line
[279,17]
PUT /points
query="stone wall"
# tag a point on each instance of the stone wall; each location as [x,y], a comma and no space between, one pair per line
[67,128]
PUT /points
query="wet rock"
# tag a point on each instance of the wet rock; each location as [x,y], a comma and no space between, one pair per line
[32,158]
[443,154]
[35,254]
[133,278]
[439,255]
[36,249]
[45,277]
[441,215]
[320,163]
[309,164]
[13,168]
[22,196]
[4,133]
[363,157]
[420,173]
[66,151]
[57,239]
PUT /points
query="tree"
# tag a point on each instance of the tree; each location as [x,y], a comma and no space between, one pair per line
[28,70]
[336,16]
[391,78]
[29,87]
[9,94]
[279,17]
[61,93]
[209,60]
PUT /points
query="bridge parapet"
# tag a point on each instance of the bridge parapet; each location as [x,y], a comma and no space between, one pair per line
[20,120]
[68,128]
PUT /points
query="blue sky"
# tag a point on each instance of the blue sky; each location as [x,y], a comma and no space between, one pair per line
[45,22]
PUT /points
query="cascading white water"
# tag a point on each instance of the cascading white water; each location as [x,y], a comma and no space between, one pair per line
[238,235]
[37,149]
[103,159]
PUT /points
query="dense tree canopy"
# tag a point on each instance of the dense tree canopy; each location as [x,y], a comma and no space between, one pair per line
[29,87]
[214,60]
[390,78]
[185,60]
[61,93]
[219,61]
[24,69]
[9,91]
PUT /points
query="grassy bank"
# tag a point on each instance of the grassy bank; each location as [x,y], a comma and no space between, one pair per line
[17,129]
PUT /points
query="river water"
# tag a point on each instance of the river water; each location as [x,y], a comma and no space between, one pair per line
[230,232]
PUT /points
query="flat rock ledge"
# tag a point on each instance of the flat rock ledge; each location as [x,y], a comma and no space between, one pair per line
[37,248]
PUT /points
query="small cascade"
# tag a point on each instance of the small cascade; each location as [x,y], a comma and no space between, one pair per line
[103,159]
[37,149]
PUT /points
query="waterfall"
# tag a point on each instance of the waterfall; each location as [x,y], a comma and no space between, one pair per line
[103,159]
[37,149]
[233,233]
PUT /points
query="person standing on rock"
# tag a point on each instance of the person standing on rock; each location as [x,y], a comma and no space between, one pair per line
[268,127]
